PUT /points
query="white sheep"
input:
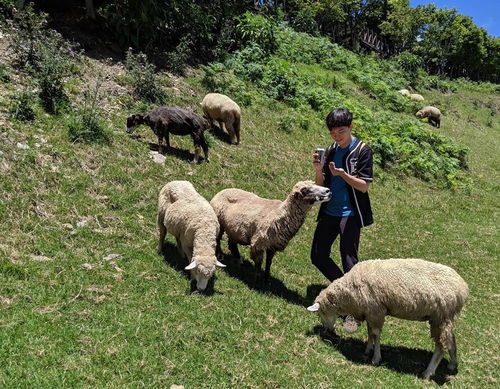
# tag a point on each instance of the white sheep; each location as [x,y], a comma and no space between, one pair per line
[219,107]
[186,215]
[266,225]
[416,97]
[404,92]
[411,289]
[433,113]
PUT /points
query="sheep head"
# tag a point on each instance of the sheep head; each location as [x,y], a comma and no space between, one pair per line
[420,114]
[133,121]
[327,318]
[202,269]
[311,193]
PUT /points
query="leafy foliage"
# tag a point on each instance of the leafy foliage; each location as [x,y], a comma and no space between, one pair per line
[144,79]
[23,105]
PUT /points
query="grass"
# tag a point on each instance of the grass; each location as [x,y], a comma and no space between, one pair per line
[72,318]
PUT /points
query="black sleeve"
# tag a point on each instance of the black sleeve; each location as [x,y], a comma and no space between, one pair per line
[365,164]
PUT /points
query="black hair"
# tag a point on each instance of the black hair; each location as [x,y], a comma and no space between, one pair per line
[339,117]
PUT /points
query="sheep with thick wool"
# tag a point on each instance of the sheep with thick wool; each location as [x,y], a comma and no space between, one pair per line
[404,92]
[416,97]
[266,225]
[219,107]
[185,214]
[411,289]
[433,113]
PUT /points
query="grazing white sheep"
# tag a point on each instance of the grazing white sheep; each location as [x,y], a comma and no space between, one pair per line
[186,215]
[416,97]
[266,225]
[411,289]
[404,92]
[219,107]
[433,113]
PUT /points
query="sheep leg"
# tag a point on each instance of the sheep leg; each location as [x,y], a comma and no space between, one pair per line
[256,256]
[218,249]
[220,124]
[369,344]
[233,247]
[179,248]
[269,261]
[376,340]
[163,233]
[437,330]
[230,130]
[452,349]
[433,364]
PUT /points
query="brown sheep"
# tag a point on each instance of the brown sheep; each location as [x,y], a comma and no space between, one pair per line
[266,225]
[175,120]
[433,113]
[219,107]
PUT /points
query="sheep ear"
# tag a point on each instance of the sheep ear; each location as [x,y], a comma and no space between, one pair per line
[313,308]
[219,264]
[191,266]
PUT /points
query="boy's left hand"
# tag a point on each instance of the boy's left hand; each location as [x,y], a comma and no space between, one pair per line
[336,171]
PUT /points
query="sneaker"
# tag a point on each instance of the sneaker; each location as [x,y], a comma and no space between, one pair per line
[350,324]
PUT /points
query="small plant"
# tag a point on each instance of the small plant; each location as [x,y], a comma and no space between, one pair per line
[50,78]
[86,125]
[177,59]
[144,79]
[23,105]
[259,30]
[280,81]
[4,73]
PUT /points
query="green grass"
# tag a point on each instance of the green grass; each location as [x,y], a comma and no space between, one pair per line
[75,319]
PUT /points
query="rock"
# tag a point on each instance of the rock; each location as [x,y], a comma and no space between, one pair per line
[111,257]
[22,146]
[69,226]
[1,153]
[157,157]
[177,386]
[81,223]
[87,266]
[41,258]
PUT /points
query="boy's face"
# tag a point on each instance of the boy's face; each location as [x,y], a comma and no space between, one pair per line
[342,135]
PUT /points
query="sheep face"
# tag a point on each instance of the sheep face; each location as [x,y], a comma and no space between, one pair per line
[420,114]
[311,193]
[201,272]
[133,121]
[327,318]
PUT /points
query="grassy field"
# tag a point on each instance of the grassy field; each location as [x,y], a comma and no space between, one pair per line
[74,316]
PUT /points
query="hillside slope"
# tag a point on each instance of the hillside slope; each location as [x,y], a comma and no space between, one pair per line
[72,315]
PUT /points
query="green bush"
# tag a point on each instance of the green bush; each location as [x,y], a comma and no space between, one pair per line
[177,59]
[86,124]
[258,30]
[22,106]
[280,80]
[4,73]
[145,82]
[50,78]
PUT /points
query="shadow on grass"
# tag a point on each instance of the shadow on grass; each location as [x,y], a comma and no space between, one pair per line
[220,134]
[172,257]
[400,359]
[246,273]
[176,152]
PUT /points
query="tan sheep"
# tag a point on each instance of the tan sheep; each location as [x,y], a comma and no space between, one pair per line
[266,225]
[404,92]
[219,107]
[411,289]
[186,215]
[416,97]
[433,113]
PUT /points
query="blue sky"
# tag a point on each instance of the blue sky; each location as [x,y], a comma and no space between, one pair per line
[485,13]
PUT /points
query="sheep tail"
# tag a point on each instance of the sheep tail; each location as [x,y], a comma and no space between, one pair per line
[442,333]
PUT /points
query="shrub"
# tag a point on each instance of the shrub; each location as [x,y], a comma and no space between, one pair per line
[50,78]
[4,73]
[22,106]
[259,30]
[280,80]
[177,59]
[86,124]
[144,79]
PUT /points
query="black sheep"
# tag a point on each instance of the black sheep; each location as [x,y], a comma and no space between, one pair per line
[175,120]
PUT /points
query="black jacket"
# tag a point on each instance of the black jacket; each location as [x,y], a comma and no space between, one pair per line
[357,162]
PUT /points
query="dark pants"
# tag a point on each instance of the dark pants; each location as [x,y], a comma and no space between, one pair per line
[327,230]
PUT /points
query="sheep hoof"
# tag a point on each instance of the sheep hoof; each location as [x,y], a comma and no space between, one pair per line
[375,361]
[452,367]
[426,375]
